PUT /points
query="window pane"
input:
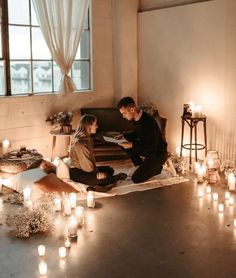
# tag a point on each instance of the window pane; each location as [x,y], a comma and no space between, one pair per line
[20,78]
[2,80]
[84,48]
[19,39]
[18,11]
[42,77]
[86,21]
[80,74]
[39,46]
[56,77]
[34,20]
[0,32]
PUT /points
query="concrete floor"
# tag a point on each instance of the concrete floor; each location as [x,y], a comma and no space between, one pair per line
[166,232]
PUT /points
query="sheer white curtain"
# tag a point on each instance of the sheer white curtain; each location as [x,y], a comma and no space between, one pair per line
[61,22]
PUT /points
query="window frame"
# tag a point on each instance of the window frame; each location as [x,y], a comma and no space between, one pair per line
[7,61]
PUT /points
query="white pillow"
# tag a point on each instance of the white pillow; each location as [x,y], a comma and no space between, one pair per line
[62,171]
[25,179]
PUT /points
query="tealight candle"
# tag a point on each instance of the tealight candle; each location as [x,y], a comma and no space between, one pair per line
[221,207]
[227,195]
[72,226]
[43,268]
[231,181]
[26,194]
[73,199]
[231,200]
[67,206]
[79,213]
[208,189]
[62,252]
[57,203]
[5,146]
[200,192]
[90,200]
[41,250]
[215,196]
[67,243]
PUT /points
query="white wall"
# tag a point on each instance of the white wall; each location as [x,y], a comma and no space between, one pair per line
[22,119]
[189,53]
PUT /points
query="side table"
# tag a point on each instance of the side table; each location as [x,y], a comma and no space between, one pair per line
[57,133]
[192,122]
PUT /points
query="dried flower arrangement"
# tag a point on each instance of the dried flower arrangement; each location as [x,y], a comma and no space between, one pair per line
[61,118]
[26,221]
[180,164]
[150,108]
[14,198]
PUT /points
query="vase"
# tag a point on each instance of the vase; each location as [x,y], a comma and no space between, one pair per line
[66,129]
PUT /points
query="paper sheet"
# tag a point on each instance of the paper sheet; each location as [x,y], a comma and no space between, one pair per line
[113,140]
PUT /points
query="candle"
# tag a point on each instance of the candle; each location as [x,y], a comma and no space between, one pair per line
[73,199]
[208,189]
[90,200]
[197,111]
[67,243]
[201,173]
[200,192]
[177,151]
[5,146]
[196,167]
[210,163]
[67,206]
[56,161]
[26,194]
[231,200]
[212,175]
[72,226]
[215,196]
[79,213]
[231,181]
[57,203]
[220,207]
[42,268]
[62,252]
[41,250]
[227,195]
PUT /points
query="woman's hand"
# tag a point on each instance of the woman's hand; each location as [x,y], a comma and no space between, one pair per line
[126,145]
[101,175]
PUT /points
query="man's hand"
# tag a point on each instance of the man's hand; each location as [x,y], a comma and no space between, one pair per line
[101,175]
[126,145]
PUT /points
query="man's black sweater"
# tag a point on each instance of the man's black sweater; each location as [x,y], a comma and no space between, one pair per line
[147,137]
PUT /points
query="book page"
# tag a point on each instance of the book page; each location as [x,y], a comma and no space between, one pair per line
[113,140]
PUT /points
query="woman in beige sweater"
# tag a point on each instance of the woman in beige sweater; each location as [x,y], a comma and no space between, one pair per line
[83,165]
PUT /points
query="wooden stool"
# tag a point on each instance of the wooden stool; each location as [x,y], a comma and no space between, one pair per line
[192,123]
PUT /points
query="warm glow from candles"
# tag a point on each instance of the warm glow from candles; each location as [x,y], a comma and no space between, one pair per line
[67,243]
[231,200]
[215,196]
[5,146]
[42,268]
[56,161]
[221,207]
[197,113]
[200,192]
[208,189]
[57,203]
[90,200]
[79,213]
[73,199]
[72,226]
[41,250]
[62,252]
[196,167]
[227,195]
[67,206]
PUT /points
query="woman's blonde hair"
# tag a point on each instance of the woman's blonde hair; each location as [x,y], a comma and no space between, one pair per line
[84,122]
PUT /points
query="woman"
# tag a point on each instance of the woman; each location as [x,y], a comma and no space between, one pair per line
[83,165]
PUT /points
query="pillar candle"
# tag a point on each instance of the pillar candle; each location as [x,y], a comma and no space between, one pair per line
[72,226]
[79,213]
[221,207]
[227,195]
[201,173]
[208,189]
[62,252]
[196,167]
[42,268]
[5,146]
[57,203]
[90,200]
[200,192]
[231,200]
[215,196]
[26,194]
[231,181]
[73,199]
[41,250]
[67,206]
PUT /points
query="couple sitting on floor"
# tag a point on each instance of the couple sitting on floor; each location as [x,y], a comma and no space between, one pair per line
[145,146]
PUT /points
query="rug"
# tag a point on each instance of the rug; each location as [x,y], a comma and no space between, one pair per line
[127,186]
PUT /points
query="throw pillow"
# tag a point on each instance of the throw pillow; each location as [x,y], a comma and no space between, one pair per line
[51,183]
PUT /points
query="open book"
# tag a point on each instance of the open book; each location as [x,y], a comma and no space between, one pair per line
[113,140]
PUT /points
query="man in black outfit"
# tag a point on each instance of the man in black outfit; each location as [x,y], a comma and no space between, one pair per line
[146,146]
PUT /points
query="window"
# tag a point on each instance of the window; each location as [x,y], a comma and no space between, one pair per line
[26,65]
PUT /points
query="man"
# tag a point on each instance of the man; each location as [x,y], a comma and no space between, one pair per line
[146,146]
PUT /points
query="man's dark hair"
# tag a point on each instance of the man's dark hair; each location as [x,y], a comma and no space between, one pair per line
[126,102]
